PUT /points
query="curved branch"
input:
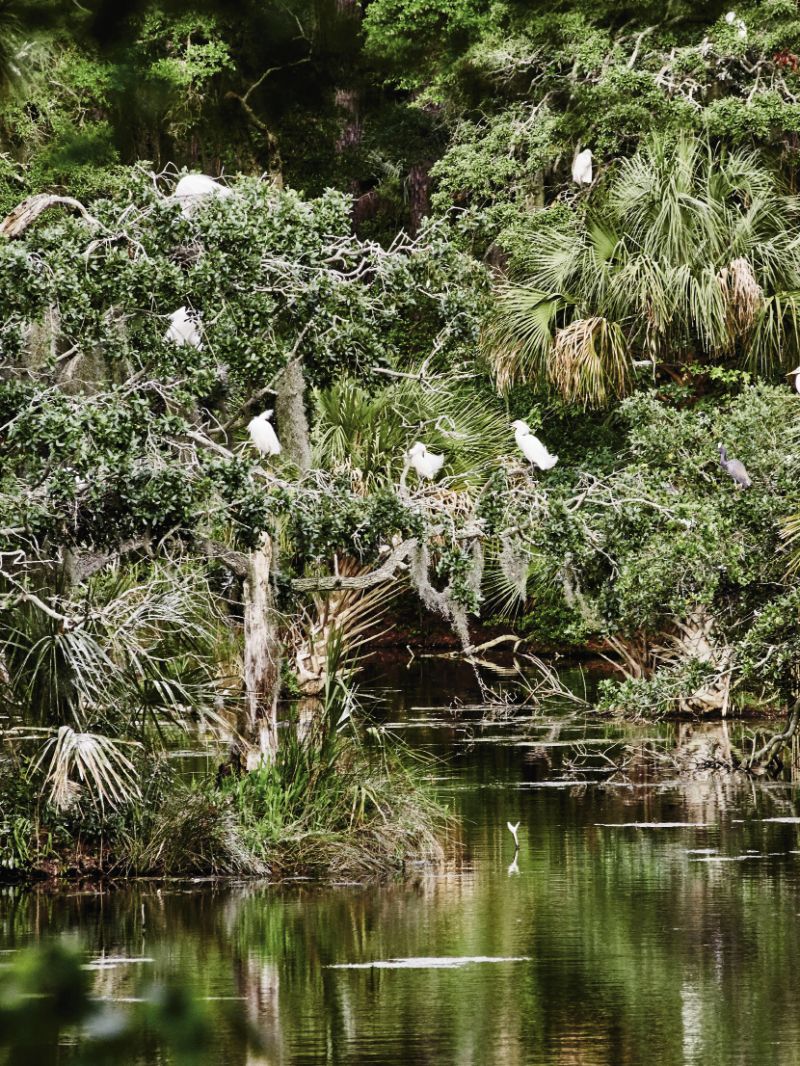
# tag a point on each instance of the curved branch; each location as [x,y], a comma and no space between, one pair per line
[765,754]
[385,572]
[25,214]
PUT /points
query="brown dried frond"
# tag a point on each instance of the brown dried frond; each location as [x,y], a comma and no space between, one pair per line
[589,362]
[744,297]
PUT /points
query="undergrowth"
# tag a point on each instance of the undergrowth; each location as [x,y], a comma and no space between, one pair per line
[341,799]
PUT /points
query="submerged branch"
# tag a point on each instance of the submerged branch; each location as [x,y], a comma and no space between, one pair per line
[766,753]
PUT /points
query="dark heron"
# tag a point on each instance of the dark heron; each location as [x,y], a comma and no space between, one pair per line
[735,468]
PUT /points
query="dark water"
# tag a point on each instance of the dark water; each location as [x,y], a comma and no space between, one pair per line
[618,937]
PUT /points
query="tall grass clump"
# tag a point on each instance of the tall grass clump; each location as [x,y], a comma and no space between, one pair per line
[340,797]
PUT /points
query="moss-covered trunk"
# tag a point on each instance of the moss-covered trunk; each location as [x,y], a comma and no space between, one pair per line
[258,718]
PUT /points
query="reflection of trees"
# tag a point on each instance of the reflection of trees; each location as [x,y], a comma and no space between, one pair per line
[639,952]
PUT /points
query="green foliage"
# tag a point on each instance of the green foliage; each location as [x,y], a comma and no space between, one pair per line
[46,999]
[686,254]
[665,558]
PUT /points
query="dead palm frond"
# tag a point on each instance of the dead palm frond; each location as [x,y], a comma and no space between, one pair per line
[75,760]
[350,617]
[588,363]
[743,296]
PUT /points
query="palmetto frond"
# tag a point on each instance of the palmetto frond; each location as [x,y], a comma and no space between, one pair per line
[690,254]
[589,364]
[519,336]
[76,761]
[371,432]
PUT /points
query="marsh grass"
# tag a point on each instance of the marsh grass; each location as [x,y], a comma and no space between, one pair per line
[343,799]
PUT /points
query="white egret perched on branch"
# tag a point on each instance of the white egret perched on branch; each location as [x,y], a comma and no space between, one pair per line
[582,167]
[532,448]
[184,328]
[192,189]
[263,435]
[741,27]
[736,469]
[427,464]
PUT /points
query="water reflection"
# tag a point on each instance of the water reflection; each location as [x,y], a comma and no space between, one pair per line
[641,920]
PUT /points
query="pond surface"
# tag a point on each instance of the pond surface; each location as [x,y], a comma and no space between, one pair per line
[647,921]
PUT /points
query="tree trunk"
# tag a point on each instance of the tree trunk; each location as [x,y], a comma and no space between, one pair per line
[290,414]
[258,719]
[419,199]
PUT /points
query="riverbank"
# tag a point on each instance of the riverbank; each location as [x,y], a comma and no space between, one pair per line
[652,898]
[364,811]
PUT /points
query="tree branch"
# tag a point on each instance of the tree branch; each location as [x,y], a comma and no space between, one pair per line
[385,572]
[25,214]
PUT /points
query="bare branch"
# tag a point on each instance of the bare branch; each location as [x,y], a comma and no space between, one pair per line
[385,572]
[25,214]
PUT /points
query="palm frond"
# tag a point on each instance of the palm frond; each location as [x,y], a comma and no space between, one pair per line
[589,363]
[78,761]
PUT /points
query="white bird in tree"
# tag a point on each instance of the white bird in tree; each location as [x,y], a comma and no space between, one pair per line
[427,464]
[795,376]
[193,189]
[582,167]
[532,448]
[741,27]
[263,435]
[184,328]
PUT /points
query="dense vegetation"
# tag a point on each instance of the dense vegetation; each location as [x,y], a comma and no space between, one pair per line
[404,255]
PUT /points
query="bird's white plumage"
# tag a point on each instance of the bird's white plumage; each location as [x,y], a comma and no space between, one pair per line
[263,435]
[193,189]
[741,26]
[184,328]
[427,464]
[582,167]
[795,375]
[513,831]
[531,447]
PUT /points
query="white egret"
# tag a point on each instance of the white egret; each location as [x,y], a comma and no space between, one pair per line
[795,375]
[263,435]
[513,831]
[736,469]
[184,328]
[741,27]
[192,189]
[582,167]
[532,448]
[427,464]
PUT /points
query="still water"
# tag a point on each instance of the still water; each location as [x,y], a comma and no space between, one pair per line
[644,921]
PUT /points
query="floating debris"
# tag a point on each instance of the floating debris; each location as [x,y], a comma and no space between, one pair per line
[111,962]
[653,825]
[445,963]
[738,858]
